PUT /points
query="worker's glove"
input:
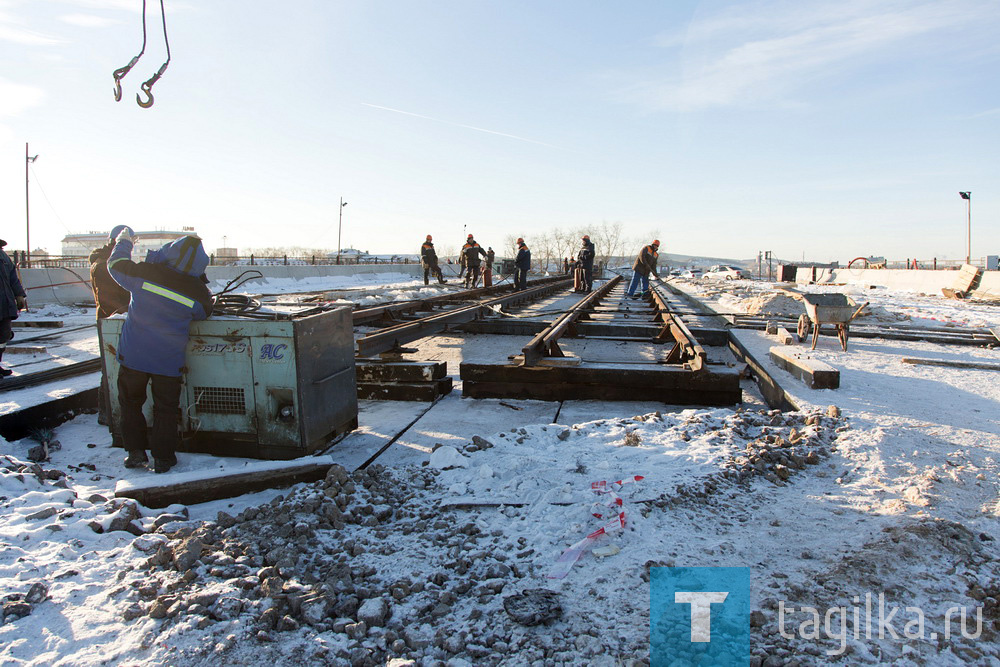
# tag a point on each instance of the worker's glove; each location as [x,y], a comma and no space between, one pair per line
[126,234]
[22,303]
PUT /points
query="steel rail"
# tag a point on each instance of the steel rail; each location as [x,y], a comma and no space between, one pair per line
[375,313]
[545,343]
[58,373]
[395,336]
[686,348]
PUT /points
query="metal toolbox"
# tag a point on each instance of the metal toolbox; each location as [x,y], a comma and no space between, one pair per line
[274,389]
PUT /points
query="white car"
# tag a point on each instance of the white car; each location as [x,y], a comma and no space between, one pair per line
[691,273]
[726,272]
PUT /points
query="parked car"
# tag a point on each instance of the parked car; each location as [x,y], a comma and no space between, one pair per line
[691,273]
[726,272]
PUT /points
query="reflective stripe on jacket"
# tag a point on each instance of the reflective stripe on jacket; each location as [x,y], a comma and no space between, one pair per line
[164,302]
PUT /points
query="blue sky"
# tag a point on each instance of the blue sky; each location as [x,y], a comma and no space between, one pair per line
[830,129]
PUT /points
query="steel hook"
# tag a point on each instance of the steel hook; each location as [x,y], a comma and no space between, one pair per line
[147,87]
[119,74]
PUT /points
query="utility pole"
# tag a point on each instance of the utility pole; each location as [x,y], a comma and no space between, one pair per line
[967,196]
[340,224]
[27,213]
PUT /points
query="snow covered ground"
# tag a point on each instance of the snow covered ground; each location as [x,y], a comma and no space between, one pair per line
[896,491]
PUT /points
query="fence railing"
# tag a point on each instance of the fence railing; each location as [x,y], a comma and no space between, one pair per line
[74,261]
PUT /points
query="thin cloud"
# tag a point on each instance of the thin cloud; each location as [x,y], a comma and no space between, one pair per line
[468,127]
[12,30]
[88,20]
[767,50]
[983,114]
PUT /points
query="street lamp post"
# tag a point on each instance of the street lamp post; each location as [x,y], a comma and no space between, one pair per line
[967,196]
[340,224]
[27,213]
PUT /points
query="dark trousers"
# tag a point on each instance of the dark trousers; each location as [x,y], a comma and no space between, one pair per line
[520,279]
[433,271]
[163,438]
[472,275]
[588,277]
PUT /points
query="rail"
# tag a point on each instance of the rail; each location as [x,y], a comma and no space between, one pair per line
[394,337]
[686,348]
[391,310]
[545,344]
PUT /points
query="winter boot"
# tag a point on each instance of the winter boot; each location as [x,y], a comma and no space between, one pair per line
[163,465]
[136,460]
[4,372]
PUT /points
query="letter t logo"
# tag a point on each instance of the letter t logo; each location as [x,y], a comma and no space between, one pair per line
[701,611]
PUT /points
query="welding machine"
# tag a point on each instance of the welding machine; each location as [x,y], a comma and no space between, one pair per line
[268,388]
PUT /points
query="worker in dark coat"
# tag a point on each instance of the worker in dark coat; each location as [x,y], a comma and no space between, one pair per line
[521,265]
[472,252]
[566,265]
[645,264]
[586,258]
[168,291]
[13,299]
[110,299]
[429,260]
[488,269]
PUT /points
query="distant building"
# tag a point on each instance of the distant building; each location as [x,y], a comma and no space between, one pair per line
[226,255]
[81,245]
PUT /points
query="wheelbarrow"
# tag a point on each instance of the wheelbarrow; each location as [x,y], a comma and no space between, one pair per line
[836,309]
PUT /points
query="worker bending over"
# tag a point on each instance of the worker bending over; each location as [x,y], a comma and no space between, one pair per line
[168,291]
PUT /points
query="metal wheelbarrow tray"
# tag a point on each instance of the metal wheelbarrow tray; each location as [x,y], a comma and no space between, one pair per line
[836,309]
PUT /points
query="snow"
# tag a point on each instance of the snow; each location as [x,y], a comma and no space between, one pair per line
[903,498]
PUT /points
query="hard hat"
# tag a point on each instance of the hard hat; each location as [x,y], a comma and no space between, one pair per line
[469,236]
[586,236]
[429,237]
[520,240]
[656,242]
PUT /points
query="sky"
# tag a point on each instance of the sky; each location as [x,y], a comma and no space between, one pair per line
[823,130]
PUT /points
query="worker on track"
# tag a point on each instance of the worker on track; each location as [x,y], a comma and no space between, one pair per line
[645,264]
[521,265]
[168,291]
[429,260]
[472,253]
[586,258]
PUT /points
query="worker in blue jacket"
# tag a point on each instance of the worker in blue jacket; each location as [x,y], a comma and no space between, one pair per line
[168,291]
[12,301]
[521,264]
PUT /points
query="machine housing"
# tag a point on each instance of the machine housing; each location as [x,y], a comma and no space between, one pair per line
[274,389]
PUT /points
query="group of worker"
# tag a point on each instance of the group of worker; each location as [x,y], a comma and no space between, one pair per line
[470,262]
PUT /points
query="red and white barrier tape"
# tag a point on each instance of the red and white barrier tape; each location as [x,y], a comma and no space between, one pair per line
[569,557]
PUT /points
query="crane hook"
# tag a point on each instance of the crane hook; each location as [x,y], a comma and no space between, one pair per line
[147,87]
[119,74]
